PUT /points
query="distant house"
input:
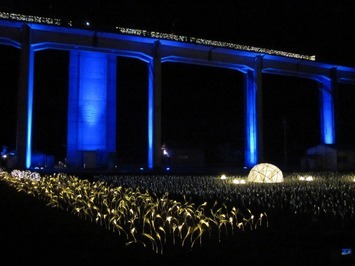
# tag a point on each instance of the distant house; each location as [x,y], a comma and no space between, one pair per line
[328,158]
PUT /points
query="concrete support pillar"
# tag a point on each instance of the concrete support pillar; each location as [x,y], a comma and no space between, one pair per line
[91,109]
[154,109]
[259,105]
[253,115]
[25,101]
[327,89]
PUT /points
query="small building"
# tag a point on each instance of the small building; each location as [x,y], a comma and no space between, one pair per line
[325,157]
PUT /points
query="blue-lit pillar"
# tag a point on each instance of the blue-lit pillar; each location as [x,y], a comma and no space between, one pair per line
[259,106]
[154,109]
[327,126]
[25,101]
[91,132]
[253,115]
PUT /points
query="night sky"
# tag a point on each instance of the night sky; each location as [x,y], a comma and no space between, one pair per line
[202,106]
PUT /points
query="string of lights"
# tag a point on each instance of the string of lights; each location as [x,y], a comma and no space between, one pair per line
[30,18]
[181,38]
[161,35]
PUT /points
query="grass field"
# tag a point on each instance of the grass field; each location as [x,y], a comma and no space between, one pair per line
[33,233]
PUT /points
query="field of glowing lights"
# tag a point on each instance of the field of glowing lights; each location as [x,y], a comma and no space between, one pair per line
[174,219]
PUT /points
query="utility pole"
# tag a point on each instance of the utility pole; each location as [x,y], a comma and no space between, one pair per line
[284,124]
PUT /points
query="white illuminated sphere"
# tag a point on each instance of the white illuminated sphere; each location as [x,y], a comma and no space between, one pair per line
[265,173]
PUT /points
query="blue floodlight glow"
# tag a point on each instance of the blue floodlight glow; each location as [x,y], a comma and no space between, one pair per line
[92,102]
[150,114]
[327,115]
[30,108]
[91,113]
[346,251]
[251,152]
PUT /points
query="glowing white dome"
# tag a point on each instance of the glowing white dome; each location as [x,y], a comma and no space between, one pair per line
[265,173]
